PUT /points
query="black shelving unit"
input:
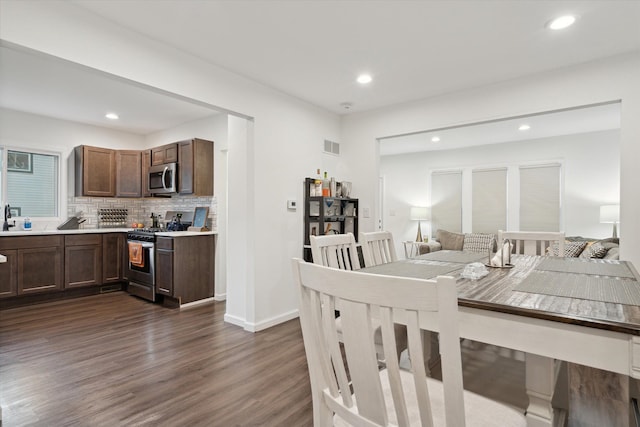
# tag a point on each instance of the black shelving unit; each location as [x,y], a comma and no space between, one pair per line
[323,215]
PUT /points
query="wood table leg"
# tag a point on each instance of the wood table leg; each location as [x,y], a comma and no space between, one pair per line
[540,383]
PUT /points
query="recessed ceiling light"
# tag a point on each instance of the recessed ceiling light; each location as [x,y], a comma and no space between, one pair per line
[364,79]
[524,127]
[435,139]
[112,116]
[561,22]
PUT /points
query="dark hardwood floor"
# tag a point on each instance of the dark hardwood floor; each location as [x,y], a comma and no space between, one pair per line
[115,360]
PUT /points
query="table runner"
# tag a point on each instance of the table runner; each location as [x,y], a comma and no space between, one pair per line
[581,286]
[413,268]
[455,256]
[568,265]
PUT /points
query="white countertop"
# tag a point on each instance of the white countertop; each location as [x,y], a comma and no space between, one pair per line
[3,258]
[100,230]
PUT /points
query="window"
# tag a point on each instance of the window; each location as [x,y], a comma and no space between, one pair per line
[446,200]
[30,182]
[489,196]
[540,198]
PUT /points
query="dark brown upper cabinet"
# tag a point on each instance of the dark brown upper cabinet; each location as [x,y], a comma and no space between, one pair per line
[95,171]
[195,167]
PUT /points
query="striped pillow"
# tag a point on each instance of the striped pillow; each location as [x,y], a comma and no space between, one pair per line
[477,242]
[596,250]
[571,249]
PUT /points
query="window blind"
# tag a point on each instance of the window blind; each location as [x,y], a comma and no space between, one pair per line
[540,198]
[489,200]
[446,200]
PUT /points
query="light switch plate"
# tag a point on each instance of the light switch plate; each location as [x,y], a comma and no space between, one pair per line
[292,205]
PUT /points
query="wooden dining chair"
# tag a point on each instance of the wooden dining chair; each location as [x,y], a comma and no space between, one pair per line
[340,251]
[352,390]
[335,250]
[377,248]
[533,242]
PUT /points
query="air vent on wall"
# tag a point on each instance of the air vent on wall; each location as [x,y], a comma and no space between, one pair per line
[331,147]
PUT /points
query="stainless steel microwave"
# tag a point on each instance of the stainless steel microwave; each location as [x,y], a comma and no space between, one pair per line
[163,179]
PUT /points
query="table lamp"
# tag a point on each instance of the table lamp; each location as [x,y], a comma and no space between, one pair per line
[419,214]
[610,214]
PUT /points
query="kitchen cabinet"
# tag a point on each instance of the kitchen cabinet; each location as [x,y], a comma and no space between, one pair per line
[34,264]
[146,163]
[8,274]
[164,154]
[185,267]
[128,173]
[83,260]
[113,257]
[95,171]
[324,215]
[195,167]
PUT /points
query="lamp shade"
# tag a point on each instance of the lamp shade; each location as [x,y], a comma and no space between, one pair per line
[419,213]
[610,213]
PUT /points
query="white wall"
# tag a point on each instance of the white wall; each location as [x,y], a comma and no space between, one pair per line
[591,164]
[602,81]
[284,142]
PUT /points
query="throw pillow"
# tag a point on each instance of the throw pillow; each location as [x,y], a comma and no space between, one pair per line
[596,250]
[613,253]
[450,241]
[571,249]
[478,242]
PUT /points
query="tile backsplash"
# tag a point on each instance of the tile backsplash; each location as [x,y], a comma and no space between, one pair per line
[140,210]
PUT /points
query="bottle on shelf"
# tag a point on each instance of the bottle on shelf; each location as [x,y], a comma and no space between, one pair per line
[318,184]
[326,186]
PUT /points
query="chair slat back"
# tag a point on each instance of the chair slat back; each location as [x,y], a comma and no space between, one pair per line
[532,242]
[363,298]
[377,248]
[336,251]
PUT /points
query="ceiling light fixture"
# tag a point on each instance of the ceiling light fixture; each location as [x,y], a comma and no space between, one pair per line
[524,127]
[112,116]
[435,139]
[364,79]
[561,22]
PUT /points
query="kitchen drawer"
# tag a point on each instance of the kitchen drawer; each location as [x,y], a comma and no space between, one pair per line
[164,243]
[83,239]
[27,242]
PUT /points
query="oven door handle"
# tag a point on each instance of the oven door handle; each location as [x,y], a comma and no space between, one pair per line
[144,245]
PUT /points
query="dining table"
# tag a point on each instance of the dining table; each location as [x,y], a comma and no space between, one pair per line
[579,316]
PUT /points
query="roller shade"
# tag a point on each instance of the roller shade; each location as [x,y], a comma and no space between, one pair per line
[540,198]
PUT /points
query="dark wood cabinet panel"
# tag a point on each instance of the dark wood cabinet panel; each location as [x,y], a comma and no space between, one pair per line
[83,266]
[164,154]
[129,173]
[146,163]
[95,171]
[164,272]
[39,269]
[113,254]
[195,167]
[82,260]
[8,274]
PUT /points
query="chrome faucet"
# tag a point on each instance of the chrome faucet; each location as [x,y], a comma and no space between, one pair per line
[7,216]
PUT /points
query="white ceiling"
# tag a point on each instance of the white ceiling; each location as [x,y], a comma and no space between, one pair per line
[314,50]
[413,49]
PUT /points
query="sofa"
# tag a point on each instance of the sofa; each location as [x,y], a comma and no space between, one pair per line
[575,246]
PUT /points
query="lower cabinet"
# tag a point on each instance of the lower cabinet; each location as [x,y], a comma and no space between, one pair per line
[40,264]
[34,264]
[82,260]
[8,274]
[113,254]
[185,267]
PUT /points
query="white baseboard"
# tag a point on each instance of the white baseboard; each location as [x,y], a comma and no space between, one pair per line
[195,303]
[220,297]
[265,324]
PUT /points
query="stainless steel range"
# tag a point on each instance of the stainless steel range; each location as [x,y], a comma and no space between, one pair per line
[141,270]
